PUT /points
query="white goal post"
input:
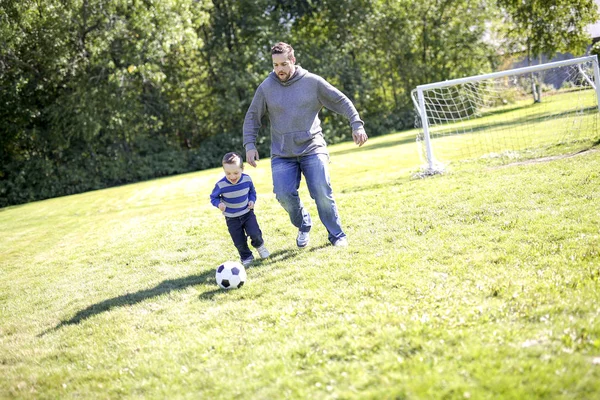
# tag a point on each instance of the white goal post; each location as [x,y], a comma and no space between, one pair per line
[506,114]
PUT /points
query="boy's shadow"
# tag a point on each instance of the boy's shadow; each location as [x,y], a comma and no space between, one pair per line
[166,287]
[135,298]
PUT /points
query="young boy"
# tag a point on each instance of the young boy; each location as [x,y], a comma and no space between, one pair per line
[235,196]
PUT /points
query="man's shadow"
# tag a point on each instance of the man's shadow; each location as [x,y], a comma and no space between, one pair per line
[167,286]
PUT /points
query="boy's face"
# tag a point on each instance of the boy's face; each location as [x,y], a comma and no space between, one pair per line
[233,173]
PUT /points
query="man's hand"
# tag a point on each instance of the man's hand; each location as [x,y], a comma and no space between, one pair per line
[252,157]
[360,136]
[251,205]
[222,207]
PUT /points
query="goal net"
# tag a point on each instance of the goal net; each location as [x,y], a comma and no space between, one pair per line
[522,113]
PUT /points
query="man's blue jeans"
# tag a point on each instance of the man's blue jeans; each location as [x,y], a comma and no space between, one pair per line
[287,173]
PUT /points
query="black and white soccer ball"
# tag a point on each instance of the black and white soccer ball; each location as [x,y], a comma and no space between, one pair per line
[231,275]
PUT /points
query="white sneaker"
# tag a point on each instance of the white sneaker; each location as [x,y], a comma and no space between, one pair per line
[247,261]
[341,242]
[263,252]
[302,239]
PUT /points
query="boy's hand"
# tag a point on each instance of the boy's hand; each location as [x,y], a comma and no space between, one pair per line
[251,205]
[222,207]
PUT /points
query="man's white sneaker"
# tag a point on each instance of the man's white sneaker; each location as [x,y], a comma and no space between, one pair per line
[341,242]
[302,239]
[263,252]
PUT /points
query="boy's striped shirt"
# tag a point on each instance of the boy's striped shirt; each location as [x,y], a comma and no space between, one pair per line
[234,196]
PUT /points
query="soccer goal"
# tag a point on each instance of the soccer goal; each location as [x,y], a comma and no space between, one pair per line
[521,113]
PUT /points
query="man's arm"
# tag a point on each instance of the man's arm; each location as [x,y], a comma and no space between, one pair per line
[336,101]
[252,124]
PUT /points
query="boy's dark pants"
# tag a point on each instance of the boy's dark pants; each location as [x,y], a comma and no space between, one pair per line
[240,228]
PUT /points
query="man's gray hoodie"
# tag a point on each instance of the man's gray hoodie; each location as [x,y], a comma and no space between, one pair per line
[293,107]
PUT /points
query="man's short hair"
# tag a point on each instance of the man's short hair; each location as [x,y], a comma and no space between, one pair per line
[283,48]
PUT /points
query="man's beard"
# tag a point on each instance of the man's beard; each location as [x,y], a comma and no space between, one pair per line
[284,77]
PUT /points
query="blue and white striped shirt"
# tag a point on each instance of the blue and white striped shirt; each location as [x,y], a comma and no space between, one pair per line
[234,196]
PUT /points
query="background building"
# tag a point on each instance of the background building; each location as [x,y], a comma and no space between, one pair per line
[594,29]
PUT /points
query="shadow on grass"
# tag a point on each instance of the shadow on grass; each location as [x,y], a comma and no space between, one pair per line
[167,286]
[483,124]
[130,299]
[408,139]
[276,256]
[382,184]
[321,246]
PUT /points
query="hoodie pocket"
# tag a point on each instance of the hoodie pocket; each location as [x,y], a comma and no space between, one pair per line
[302,137]
[293,143]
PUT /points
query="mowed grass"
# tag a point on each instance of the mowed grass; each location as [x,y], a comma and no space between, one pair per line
[520,130]
[480,283]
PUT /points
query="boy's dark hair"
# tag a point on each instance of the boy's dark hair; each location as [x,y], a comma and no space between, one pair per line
[233,158]
[283,48]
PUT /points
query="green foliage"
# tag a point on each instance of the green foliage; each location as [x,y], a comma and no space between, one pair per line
[40,177]
[542,27]
[86,93]
[98,93]
[595,50]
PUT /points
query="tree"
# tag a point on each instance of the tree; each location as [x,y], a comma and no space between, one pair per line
[235,58]
[378,51]
[546,27]
[84,94]
[98,93]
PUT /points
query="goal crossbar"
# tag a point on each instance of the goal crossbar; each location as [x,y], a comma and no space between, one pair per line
[500,74]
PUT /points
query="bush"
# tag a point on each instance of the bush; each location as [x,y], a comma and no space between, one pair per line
[75,170]
[42,177]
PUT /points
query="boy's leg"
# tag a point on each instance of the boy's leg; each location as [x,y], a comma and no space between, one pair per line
[253,230]
[236,231]
[314,168]
[286,181]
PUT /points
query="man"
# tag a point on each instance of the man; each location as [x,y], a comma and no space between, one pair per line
[293,97]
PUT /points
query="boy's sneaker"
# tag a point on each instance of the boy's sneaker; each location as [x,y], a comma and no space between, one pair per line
[247,261]
[302,239]
[263,252]
[341,242]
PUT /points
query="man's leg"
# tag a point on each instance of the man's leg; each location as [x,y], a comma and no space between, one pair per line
[286,181]
[314,168]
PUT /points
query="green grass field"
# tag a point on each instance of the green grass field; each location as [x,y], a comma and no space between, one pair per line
[519,130]
[481,283]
